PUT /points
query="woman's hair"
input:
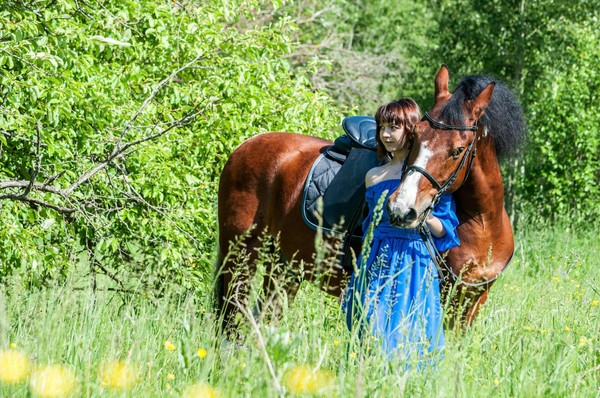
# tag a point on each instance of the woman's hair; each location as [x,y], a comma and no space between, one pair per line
[401,112]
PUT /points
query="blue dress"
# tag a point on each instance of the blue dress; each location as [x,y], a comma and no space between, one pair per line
[395,293]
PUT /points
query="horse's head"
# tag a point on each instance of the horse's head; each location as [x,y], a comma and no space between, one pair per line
[442,151]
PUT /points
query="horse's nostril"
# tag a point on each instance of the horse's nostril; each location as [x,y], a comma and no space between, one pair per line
[403,219]
[410,216]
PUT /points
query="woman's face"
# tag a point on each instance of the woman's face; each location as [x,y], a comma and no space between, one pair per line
[392,136]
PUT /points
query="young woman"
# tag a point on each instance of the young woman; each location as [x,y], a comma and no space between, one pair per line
[395,290]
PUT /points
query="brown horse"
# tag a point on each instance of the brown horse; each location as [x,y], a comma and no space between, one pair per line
[260,193]
[481,117]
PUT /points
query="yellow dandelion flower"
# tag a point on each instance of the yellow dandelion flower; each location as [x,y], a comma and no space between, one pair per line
[303,379]
[494,346]
[583,341]
[118,375]
[13,345]
[556,279]
[53,381]
[200,390]
[202,353]
[496,382]
[567,329]
[595,303]
[528,328]
[336,342]
[14,366]
[543,331]
[169,346]
[170,376]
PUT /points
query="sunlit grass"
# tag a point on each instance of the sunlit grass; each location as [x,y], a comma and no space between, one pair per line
[536,336]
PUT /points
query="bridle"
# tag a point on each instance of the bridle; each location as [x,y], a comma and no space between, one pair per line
[469,155]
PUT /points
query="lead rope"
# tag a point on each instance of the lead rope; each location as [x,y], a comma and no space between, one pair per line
[440,263]
[436,257]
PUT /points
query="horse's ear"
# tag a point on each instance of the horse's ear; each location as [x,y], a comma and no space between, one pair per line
[441,84]
[482,101]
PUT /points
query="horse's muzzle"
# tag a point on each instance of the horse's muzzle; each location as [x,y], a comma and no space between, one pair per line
[404,219]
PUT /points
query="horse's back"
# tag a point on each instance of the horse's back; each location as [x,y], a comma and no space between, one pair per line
[260,191]
[262,182]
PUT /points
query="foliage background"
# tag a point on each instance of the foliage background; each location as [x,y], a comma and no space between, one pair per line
[117,117]
[93,77]
[172,88]
[547,51]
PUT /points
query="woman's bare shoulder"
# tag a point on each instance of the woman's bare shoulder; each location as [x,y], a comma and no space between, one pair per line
[374,175]
[381,173]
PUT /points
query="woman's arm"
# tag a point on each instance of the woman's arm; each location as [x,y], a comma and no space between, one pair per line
[435,226]
[444,213]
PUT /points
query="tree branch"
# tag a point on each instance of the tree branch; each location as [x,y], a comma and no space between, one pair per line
[120,150]
[152,95]
[35,202]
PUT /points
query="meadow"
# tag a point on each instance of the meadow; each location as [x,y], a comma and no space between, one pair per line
[116,119]
[537,336]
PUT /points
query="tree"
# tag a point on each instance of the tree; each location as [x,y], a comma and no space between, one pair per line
[367,52]
[548,51]
[116,119]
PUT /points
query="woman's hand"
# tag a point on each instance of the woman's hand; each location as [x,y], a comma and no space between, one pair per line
[435,226]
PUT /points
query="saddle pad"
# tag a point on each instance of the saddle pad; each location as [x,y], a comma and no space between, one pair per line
[334,191]
[320,176]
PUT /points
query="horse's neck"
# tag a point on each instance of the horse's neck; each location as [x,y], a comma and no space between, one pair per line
[482,194]
[484,230]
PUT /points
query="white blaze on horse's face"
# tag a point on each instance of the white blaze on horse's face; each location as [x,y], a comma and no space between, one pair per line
[405,200]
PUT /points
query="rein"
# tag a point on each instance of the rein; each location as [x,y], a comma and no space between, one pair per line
[444,270]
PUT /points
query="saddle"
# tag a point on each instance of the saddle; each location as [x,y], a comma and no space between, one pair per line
[334,190]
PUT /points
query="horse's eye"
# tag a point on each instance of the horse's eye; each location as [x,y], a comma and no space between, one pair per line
[457,152]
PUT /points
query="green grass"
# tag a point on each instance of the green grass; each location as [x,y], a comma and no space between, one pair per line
[537,336]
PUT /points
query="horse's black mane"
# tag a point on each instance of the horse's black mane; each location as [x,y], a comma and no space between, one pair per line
[503,117]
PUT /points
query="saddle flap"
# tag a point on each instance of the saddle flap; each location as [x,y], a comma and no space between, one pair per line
[361,130]
[345,194]
[340,149]
[338,188]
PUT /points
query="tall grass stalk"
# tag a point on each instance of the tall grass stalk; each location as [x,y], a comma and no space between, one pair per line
[537,336]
